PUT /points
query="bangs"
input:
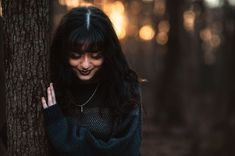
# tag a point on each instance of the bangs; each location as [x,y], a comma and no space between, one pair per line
[83,40]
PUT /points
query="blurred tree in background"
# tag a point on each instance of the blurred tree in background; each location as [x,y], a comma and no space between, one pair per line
[184,52]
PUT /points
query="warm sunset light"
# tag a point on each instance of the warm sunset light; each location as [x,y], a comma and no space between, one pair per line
[0,9]
[70,3]
[85,4]
[189,19]
[118,6]
[146,32]
[116,13]
[117,77]
[73,3]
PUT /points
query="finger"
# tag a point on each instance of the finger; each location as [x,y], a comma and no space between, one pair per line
[44,104]
[49,97]
[53,94]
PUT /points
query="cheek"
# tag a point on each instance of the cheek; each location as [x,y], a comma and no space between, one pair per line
[98,63]
[73,62]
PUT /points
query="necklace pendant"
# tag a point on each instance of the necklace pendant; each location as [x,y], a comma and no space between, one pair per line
[89,99]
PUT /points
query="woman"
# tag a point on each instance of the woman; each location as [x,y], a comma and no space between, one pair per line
[93,105]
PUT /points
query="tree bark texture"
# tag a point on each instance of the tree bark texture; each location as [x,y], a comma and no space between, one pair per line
[2,97]
[26,39]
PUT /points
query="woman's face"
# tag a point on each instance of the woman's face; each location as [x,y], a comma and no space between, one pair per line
[86,65]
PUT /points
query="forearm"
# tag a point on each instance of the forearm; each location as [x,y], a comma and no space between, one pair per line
[60,131]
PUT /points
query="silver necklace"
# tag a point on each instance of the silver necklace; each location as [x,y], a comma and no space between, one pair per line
[88,100]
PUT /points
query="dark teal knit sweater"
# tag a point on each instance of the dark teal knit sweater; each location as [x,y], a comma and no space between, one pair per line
[71,136]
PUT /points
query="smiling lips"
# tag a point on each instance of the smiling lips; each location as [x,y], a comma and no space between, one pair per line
[85,72]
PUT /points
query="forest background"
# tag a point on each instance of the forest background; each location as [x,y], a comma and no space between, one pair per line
[182,49]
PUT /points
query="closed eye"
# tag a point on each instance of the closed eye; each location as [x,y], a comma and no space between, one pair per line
[96,55]
[74,55]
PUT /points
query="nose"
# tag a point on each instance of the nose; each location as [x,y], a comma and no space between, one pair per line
[85,62]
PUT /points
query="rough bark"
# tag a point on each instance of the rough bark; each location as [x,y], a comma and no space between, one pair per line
[2,97]
[26,39]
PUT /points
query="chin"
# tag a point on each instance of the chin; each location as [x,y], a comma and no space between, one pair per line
[85,78]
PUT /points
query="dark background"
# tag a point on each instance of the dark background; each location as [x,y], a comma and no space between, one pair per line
[187,65]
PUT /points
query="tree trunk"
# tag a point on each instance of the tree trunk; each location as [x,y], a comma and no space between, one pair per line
[26,39]
[2,97]
[169,90]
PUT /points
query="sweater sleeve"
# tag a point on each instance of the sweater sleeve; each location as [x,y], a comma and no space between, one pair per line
[71,140]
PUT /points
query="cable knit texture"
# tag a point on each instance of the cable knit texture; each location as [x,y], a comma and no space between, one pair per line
[90,134]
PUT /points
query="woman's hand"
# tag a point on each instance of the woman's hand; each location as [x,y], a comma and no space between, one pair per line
[51,97]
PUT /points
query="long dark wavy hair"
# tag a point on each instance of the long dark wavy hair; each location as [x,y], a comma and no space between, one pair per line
[89,29]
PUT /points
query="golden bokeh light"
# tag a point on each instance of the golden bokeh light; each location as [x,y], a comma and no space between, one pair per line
[0,10]
[118,22]
[62,2]
[211,40]
[70,3]
[189,19]
[99,2]
[74,3]
[118,6]
[164,26]
[147,0]
[163,29]
[146,32]
[206,34]
[162,38]
[215,41]
[85,4]
[210,37]
[116,13]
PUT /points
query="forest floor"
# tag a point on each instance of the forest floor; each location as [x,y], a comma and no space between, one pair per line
[171,141]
